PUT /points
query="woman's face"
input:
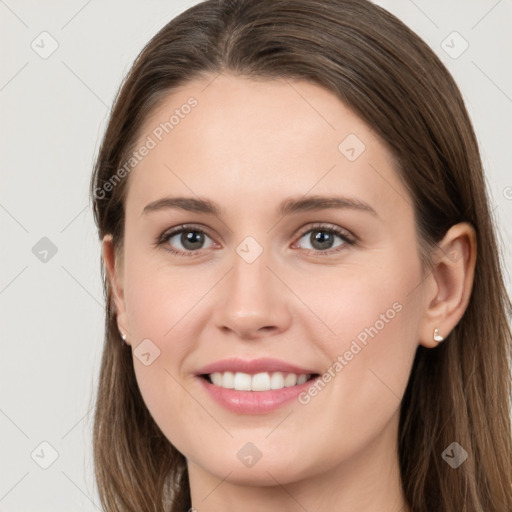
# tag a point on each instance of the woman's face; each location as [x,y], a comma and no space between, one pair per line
[309,267]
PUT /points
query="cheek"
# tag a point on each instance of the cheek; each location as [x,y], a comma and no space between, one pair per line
[161,299]
[373,318]
[362,303]
[163,393]
[377,328]
[160,312]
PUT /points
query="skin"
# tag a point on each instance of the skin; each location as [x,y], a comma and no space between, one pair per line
[247,146]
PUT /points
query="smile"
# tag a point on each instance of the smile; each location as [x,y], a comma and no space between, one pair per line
[254,387]
[264,381]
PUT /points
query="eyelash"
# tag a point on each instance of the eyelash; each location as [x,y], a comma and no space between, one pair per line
[346,236]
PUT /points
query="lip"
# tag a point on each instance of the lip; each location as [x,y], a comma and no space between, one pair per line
[254,366]
[254,402]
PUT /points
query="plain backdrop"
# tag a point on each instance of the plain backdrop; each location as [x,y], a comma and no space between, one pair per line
[62,63]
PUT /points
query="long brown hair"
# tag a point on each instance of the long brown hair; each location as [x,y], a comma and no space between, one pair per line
[459,392]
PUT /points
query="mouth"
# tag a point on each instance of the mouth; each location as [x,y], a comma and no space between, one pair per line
[254,387]
[263,381]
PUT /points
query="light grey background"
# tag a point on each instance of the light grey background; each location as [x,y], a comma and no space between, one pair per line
[53,113]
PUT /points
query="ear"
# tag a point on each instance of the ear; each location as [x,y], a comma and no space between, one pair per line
[114,272]
[448,287]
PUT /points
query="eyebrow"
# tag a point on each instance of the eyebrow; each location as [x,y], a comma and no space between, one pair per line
[287,207]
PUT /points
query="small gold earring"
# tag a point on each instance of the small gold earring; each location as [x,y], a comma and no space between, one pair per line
[437,337]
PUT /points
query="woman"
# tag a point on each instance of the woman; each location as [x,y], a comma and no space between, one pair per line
[305,309]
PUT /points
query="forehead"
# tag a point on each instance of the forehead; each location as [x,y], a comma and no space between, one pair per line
[227,108]
[250,140]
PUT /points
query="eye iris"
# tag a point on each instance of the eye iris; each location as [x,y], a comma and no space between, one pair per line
[192,239]
[323,238]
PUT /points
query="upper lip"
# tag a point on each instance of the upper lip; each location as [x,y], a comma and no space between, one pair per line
[253,366]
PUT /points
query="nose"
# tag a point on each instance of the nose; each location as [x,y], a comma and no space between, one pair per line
[252,302]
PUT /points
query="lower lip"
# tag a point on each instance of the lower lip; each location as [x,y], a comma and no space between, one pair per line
[253,402]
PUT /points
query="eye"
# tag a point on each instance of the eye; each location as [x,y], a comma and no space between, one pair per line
[321,239]
[190,238]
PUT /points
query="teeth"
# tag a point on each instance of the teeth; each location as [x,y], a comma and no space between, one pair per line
[290,380]
[217,378]
[259,382]
[301,379]
[277,380]
[242,381]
